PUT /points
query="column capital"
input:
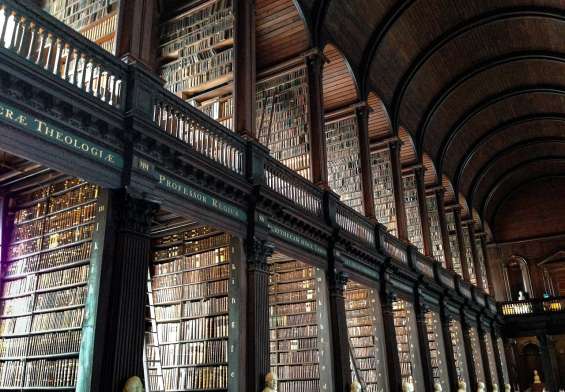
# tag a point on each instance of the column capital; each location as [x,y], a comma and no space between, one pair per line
[258,252]
[133,214]
[337,281]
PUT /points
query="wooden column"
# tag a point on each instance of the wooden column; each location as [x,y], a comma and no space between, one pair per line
[423,208]
[469,355]
[425,357]
[498,359]
[449,351]
[137,35]
[487,264]
[461,243]
[401,222]
[392,360]
[244,90]
[549,362]
[257,313]
[120,325]
[489,378]
[365,158]
[339,333]
[318,158]
[440,200]
[475,255]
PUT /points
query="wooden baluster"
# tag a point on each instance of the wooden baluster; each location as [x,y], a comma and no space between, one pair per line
[32,44]
[57,58]
[66,55]
[50,44]
[42,56]
[6,14]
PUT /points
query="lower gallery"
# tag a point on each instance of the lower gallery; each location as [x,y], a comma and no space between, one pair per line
[58,239]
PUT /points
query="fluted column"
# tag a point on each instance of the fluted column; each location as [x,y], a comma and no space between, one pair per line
[123,291]
[340,339]
[420,313]
[257,320]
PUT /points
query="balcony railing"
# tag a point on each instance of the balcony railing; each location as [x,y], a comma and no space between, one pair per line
[41,40]
[200,132]
[355,224]
[294,187]
[532,306]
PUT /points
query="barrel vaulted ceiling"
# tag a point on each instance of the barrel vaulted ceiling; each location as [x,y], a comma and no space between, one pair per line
[478,85]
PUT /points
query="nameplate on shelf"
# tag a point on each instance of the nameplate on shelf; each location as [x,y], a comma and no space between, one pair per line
[188,192]
[446,279]
[290,236]
[395,252]
[425,268]
[47,131]
[359,267]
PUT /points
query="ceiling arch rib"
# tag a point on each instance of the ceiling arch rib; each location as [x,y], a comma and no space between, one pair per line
[493,171]
[469,74]
[513,132]
[521,174]
[484,22]
[485,104]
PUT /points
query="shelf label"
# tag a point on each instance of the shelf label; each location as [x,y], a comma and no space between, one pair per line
[188,192]
[289,236]
[359,267]
[51,133]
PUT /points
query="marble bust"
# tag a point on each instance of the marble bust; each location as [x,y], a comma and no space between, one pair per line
[133,384]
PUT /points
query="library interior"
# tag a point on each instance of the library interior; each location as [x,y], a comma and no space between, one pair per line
[282,195]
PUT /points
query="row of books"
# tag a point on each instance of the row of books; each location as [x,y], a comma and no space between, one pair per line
[383,190]
[282,118]
[201,308]
[192,378]
[435,229]
[295,357]
[41,345]
[294,344]
[190,292]
[220,271]
[476,354]
[292,320]
[469,255]
[39,373]
[194,353]
[194,329]
[52,259]
[190,234]
[343,162]
[413,222]
[453,242]
[189,247]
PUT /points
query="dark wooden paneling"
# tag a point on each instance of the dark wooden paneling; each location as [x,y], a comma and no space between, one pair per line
[379,123]
[337,81]
[281,32]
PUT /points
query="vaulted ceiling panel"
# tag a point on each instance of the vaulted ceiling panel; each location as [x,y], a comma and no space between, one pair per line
[338,81]
[379,123]
[280,32]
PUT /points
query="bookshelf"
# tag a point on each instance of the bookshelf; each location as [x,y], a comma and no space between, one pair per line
[297,314]
[491,358]
[407,342]
[365,329]
[96,20]
[343,161]
[436,348]
[196,53]
[469,255]
[481,264]
[460,360]
[383,190]
[189,317]
[476,354]
[413,221]
[282,118]
[453,242]
[49,286]
[435,229]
